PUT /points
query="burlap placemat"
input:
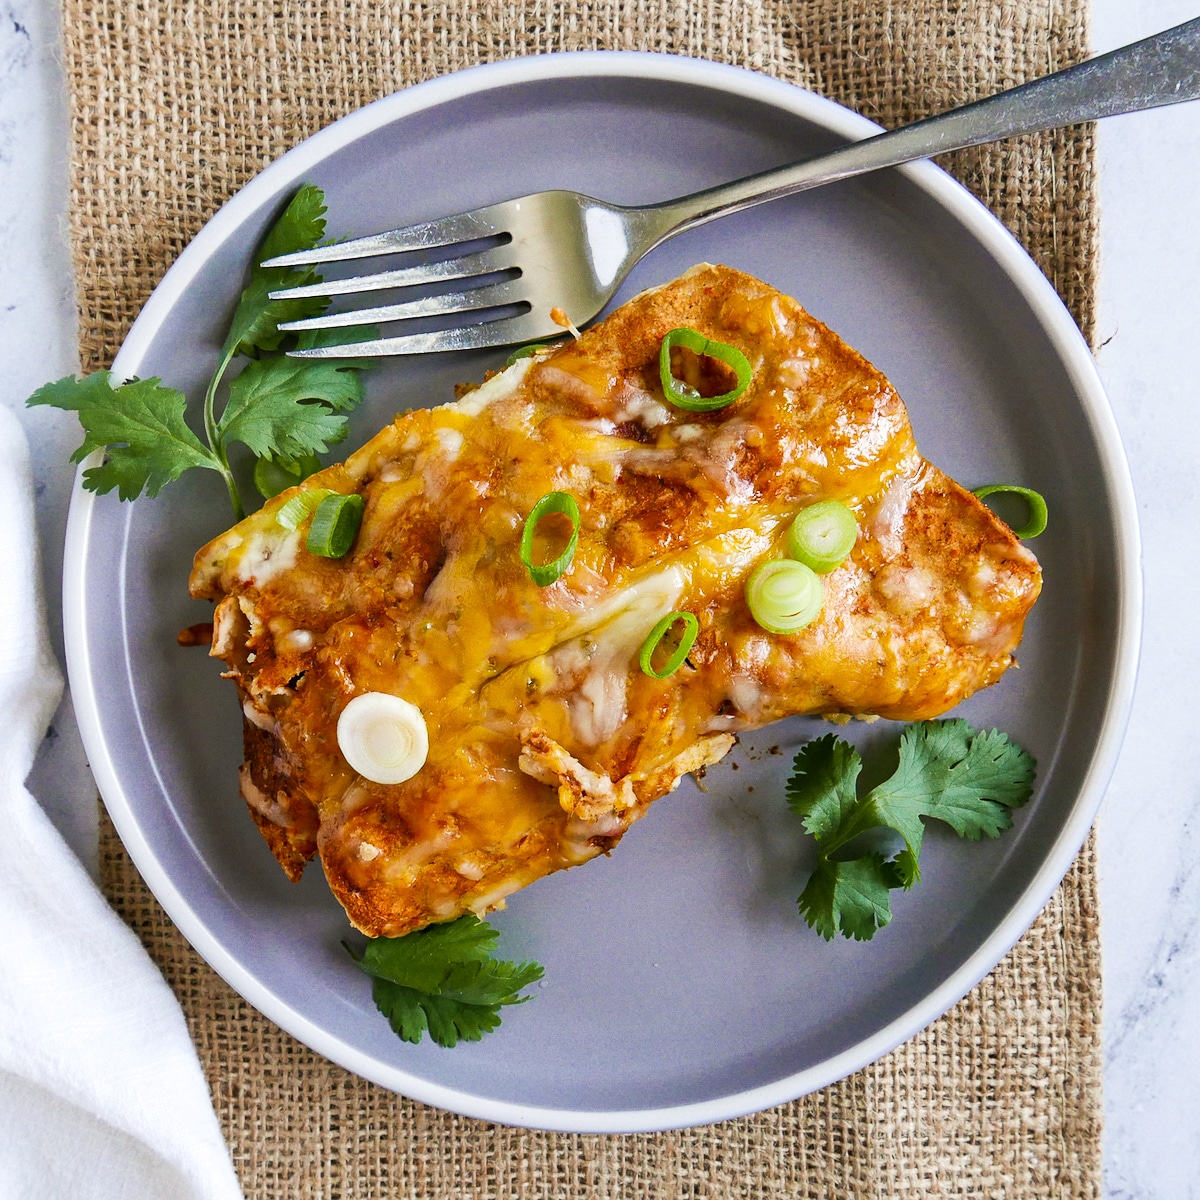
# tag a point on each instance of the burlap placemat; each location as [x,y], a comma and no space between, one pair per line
[174,105]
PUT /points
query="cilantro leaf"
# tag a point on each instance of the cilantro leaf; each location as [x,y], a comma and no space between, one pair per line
[301,226]
[947,772]
[822,787]
[450,1019]
[444,980]
[494,981]
[908,867]
[288,407]
[285,410]
[255,324]
[422,959]
[139,423]
[411,1013]
[850,897]
[343,335]
[403,1008]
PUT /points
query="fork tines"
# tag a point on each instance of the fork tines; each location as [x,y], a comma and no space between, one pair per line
[478,268]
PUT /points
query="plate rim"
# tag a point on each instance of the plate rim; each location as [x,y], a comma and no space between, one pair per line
[1063,336]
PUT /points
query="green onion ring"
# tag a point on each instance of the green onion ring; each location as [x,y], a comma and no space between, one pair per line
[1035,501]
[551,502]
[335,525]
[784,595]
[822,536]
[522,352]
[528,351]
[683,395]
[300,507]
[691,627]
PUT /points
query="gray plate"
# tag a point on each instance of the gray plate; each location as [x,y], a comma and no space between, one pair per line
[681,984]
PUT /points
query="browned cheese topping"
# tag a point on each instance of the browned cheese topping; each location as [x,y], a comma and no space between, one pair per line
[546,740]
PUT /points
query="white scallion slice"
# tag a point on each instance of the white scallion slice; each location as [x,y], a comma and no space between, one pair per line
[383,737]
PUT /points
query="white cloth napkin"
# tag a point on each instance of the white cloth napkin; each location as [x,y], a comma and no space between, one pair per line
[101,1093]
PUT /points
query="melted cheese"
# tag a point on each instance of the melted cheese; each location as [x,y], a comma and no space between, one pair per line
[546,741]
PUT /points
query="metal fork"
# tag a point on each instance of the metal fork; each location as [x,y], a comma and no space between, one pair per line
[560,250]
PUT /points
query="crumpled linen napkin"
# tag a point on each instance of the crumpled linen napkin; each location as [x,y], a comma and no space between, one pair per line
[101,1093]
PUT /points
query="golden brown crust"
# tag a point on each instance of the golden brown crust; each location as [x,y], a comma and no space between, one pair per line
[546,739]
[287,820]
[291,857]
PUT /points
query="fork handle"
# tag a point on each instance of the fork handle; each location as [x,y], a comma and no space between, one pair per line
[1163,69]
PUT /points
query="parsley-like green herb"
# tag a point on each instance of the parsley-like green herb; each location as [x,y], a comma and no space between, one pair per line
[141,424]
[444,980]
[947,772]
[284,410]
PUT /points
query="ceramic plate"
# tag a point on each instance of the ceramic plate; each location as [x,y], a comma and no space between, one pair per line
[681,984]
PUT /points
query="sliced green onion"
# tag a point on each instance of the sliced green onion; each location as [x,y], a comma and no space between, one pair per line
[1034,500]
[784,595]
[300,507]
[683,395]
[275,475]
[687,640]
[552,502]
[335,525]
[822,536]
[526,352]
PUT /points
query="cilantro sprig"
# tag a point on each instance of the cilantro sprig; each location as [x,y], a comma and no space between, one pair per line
[443,979]
[285,410]
[948,772]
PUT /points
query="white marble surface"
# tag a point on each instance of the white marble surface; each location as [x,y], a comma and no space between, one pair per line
[1150,825]
[38,343]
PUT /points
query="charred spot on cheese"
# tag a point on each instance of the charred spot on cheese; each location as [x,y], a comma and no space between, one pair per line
[546,741]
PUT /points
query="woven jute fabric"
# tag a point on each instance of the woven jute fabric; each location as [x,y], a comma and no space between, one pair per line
[174,105]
